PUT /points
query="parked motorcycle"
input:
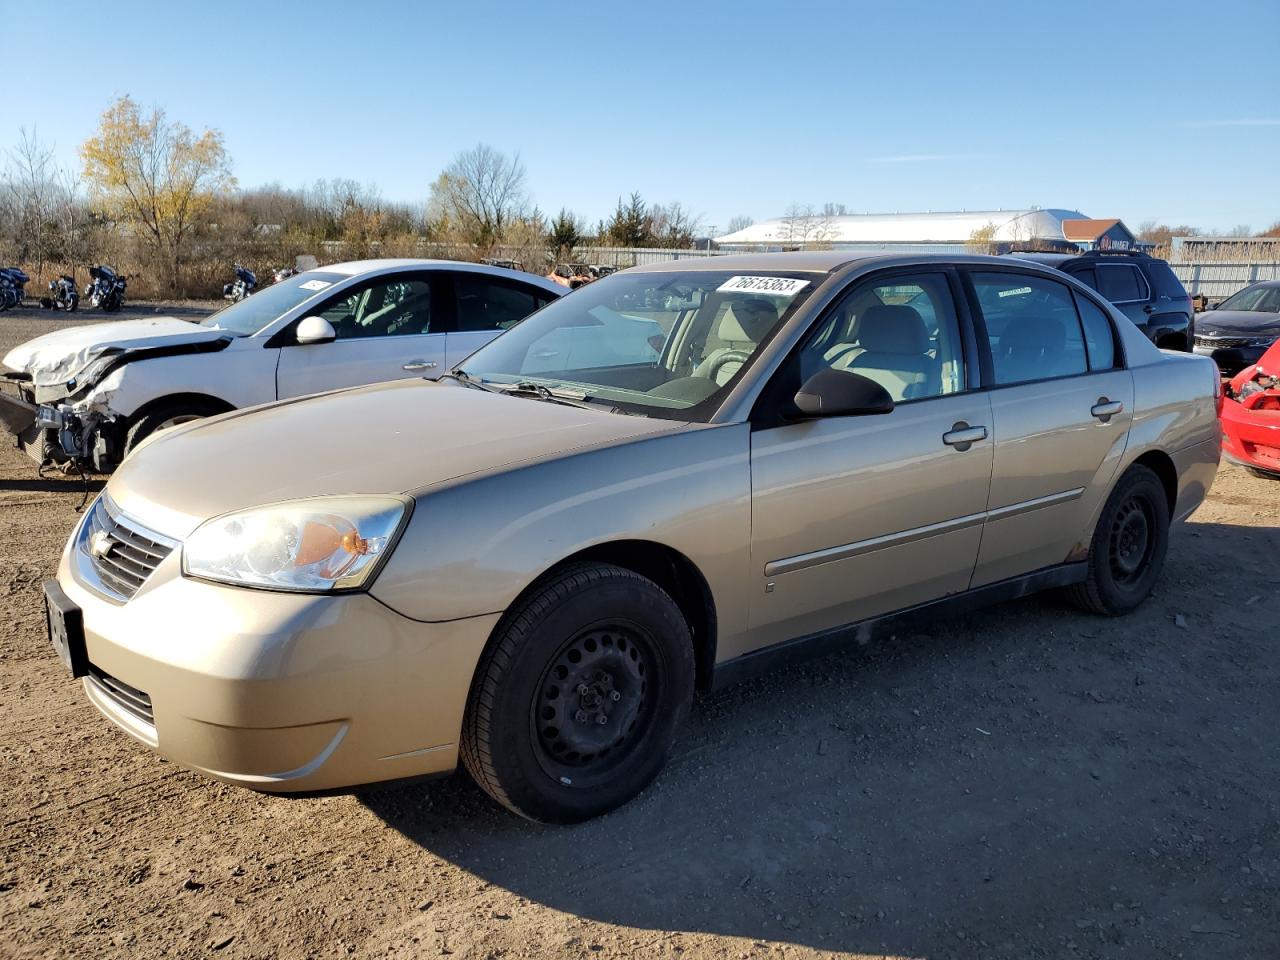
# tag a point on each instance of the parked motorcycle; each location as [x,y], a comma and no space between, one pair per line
[62,295]
[12,287]
[245,283]
[106,290]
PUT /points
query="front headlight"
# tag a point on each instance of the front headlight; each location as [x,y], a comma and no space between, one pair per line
[312,546]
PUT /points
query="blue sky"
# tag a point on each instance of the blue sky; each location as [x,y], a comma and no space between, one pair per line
[1166,111]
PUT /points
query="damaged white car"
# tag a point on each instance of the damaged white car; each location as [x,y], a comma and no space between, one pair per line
[88,395]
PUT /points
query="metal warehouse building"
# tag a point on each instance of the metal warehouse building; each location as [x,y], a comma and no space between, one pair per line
[906,232]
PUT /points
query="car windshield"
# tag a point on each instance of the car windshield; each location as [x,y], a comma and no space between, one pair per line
[1259,299]
[254,312]
[665,344]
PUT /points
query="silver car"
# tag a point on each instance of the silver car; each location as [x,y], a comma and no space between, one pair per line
[532,564]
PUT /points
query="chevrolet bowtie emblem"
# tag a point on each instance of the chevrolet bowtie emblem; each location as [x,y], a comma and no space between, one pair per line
[100,545]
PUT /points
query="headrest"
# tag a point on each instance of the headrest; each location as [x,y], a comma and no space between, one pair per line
[893,328]
[748,321]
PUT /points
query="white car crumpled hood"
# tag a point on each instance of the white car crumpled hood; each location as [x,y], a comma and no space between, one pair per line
[56,357]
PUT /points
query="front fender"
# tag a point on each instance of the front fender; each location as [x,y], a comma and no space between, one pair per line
[239,377]
[473,546]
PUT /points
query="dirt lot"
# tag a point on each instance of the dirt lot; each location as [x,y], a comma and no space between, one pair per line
[1025,782]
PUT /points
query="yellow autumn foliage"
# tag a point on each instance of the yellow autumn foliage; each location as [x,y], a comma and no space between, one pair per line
[155,175]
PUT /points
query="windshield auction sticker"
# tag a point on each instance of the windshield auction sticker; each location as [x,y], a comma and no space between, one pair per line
[770,286]
[314,285]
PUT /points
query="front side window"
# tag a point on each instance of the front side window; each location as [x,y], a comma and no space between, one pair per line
[1121,283]
[269,304]
[662,343]
[486,305]
[1032,327]
[386,307]
[901,333]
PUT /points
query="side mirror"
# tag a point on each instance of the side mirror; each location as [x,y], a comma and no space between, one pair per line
[315,330]
[841,393]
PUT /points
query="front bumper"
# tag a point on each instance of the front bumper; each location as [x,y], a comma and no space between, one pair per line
[1230,360]
[1251,437]
[277,691]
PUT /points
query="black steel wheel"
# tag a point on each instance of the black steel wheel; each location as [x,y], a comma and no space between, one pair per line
[594,699]
[579,694]
[1127,552]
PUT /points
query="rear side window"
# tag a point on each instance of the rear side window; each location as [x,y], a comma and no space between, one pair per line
[1121,283]
[486,305]
[1166,281]
[1032,326]
[1098,336]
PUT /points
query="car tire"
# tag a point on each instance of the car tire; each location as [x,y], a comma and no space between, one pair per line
[1127,552]
[164,416]
[590,641]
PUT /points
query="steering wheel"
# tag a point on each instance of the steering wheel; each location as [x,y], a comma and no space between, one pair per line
[729,356]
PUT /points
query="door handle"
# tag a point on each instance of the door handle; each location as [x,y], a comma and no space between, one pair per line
[1105,409]
[1148,309]
[420,365]
[962,436]
[545,354]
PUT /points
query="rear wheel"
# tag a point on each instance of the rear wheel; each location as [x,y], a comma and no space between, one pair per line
[1129,545]
[578,698]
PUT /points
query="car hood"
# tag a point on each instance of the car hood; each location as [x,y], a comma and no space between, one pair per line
[56,357]
[1245,323]
[402,437]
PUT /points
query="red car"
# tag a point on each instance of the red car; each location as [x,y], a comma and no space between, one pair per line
[1251,416]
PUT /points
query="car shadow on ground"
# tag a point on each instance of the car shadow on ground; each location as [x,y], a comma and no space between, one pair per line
[1027,777]
[49,484]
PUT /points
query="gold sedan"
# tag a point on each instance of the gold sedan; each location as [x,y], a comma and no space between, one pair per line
[675,476]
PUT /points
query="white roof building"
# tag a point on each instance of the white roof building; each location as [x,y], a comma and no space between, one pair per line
[905,232]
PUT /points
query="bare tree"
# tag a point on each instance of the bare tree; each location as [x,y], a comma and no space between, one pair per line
[797,224]
[479,194]
[31,180]
[740,222]
[673,226]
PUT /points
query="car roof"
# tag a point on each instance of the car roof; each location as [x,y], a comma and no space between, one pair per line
[819,261]
[814,261]
[353,268]
[1049,259]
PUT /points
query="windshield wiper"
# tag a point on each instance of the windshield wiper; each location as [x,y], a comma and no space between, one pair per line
[524,388]
[464,378]
[540,391]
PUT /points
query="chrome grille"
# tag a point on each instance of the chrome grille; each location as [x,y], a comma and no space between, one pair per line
[1214,343]
[129,699]
[121,553]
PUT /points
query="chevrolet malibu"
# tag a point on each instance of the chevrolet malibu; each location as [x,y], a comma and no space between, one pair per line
[531,564]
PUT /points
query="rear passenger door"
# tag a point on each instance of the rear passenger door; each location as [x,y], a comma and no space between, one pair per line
[485,307]
[1125,286]
[1061,405]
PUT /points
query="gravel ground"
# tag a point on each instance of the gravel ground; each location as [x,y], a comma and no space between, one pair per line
[1025,782]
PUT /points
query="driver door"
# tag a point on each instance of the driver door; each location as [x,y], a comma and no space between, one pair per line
[387,329]
[857,516]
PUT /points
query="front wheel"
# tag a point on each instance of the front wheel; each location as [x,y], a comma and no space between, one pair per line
[578,697]
[1128,548]
[167,414]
